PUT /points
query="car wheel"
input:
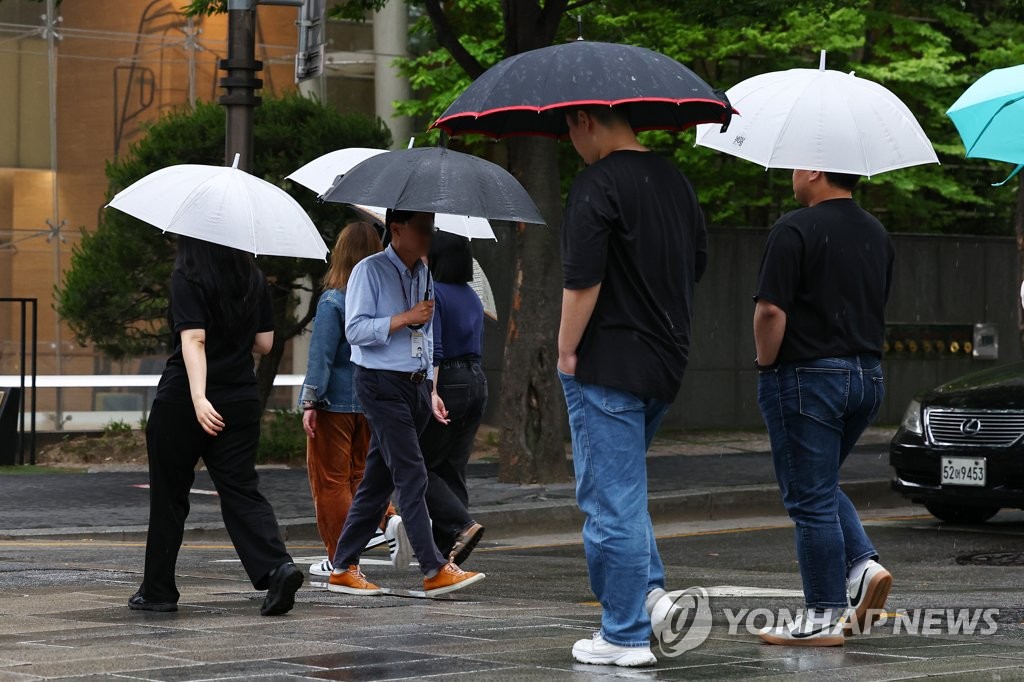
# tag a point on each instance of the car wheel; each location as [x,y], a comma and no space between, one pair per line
[955,513]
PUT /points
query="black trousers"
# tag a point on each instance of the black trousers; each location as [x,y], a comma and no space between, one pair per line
[397,411]
[175,441]
[446,450]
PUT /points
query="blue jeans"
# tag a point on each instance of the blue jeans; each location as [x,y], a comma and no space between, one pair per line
[611,431]
[815,411]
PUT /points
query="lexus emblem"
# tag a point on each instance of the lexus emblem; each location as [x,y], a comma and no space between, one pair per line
[970,427]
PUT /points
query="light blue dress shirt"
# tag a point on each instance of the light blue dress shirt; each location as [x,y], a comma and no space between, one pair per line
[380,287]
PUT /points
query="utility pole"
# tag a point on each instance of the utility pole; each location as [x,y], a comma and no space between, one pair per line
[241,82]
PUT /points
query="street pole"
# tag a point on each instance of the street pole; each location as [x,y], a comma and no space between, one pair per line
[241,82]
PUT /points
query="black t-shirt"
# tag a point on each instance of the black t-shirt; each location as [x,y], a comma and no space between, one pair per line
[230,371]
[633,224]
[829,267]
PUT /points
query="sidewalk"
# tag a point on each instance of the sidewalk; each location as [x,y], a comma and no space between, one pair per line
[692,477]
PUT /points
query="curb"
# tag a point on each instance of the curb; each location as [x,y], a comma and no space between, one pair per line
[515,519]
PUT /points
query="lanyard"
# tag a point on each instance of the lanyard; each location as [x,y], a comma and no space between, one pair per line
[405,293]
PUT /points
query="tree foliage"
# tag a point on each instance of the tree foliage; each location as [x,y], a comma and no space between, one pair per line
[927,53]
[115,292]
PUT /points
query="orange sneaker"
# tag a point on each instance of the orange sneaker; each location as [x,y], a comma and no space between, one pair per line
[449,579]
[352,581]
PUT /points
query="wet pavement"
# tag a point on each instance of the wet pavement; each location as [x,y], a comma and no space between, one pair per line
[71,553]
[63,613]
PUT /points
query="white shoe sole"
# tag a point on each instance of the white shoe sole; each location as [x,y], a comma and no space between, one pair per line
[630,659]
[457,586]
[341,589]
[819,640]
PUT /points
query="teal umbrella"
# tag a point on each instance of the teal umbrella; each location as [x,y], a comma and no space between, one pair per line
[990,117]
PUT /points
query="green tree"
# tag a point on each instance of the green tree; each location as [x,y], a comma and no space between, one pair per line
[115,292]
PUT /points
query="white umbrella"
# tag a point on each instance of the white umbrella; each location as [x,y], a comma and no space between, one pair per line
[225,206]
[320,173]
[816,119]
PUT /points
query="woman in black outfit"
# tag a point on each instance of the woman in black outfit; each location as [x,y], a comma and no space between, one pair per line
[460,395]
[207,406]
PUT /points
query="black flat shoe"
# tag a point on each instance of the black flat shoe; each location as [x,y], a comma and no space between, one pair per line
[285,581]
[139,603]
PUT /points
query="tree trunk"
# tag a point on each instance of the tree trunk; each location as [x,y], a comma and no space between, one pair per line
[532,408]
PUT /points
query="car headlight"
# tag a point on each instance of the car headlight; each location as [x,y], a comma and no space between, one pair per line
[912,421]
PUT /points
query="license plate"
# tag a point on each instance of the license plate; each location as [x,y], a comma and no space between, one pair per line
[963,471]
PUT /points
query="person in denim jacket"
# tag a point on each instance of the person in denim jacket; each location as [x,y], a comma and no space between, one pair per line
[337,434]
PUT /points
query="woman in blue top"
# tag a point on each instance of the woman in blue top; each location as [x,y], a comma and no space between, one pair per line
[337,433]
[460,395]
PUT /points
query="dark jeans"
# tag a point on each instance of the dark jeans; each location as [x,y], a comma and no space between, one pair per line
[397,410]
[815,412]
[175,441]
[446,450]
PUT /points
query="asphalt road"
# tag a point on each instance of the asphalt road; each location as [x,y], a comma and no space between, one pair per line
[62,611]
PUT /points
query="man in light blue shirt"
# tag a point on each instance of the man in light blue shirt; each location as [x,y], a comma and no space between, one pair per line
[388,313]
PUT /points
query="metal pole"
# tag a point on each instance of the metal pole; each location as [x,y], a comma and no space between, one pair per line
[241,82]
[55,225]
[35,377]
[21,393]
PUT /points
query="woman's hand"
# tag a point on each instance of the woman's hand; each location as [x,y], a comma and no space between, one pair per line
[309,423]
[208,417]
[439,410]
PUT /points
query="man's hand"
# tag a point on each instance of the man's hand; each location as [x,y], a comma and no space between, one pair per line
[309,423]
[421,313]
[567,363]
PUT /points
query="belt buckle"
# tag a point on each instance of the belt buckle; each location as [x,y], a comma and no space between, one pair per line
[418,377]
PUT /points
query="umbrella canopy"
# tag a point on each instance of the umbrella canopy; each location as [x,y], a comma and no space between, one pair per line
[320,173]
[818,119]
[436,180]
[990,116]
[225,206]
[527,94]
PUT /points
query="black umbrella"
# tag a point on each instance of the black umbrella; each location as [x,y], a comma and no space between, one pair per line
[436,180]
[527,94]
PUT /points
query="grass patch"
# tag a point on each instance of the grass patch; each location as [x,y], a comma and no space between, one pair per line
[22,469]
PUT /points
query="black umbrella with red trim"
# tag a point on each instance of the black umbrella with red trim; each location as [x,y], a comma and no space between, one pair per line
[529,93]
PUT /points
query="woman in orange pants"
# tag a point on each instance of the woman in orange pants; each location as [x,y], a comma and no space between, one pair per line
[337,433]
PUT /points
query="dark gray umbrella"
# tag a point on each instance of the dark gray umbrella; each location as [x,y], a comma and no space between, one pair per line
[528,93]
[436,180]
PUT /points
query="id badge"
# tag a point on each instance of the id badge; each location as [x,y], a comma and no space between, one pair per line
[417,344]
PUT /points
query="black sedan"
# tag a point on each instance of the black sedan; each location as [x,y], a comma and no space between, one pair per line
[960,448]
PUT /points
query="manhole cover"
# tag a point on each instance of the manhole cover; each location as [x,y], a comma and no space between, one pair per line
[992,559]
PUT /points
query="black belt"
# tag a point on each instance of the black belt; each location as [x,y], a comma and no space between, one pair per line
[417,377]
[459,362]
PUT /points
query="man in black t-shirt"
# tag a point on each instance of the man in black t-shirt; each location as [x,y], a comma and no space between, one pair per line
[819,325]
[633,245]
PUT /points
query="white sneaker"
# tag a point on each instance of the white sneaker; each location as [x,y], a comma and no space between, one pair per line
[805,632]
[868,592]
[322,569]
[377,540]
[596,651]
[398,542]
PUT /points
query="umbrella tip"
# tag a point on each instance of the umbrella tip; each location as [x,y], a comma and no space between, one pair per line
[234,163]
[821,61]
[579,27]
[412,142]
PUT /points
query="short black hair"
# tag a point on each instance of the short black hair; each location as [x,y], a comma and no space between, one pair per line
[845,181]
[451,259]
[396,216]
[606,115]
